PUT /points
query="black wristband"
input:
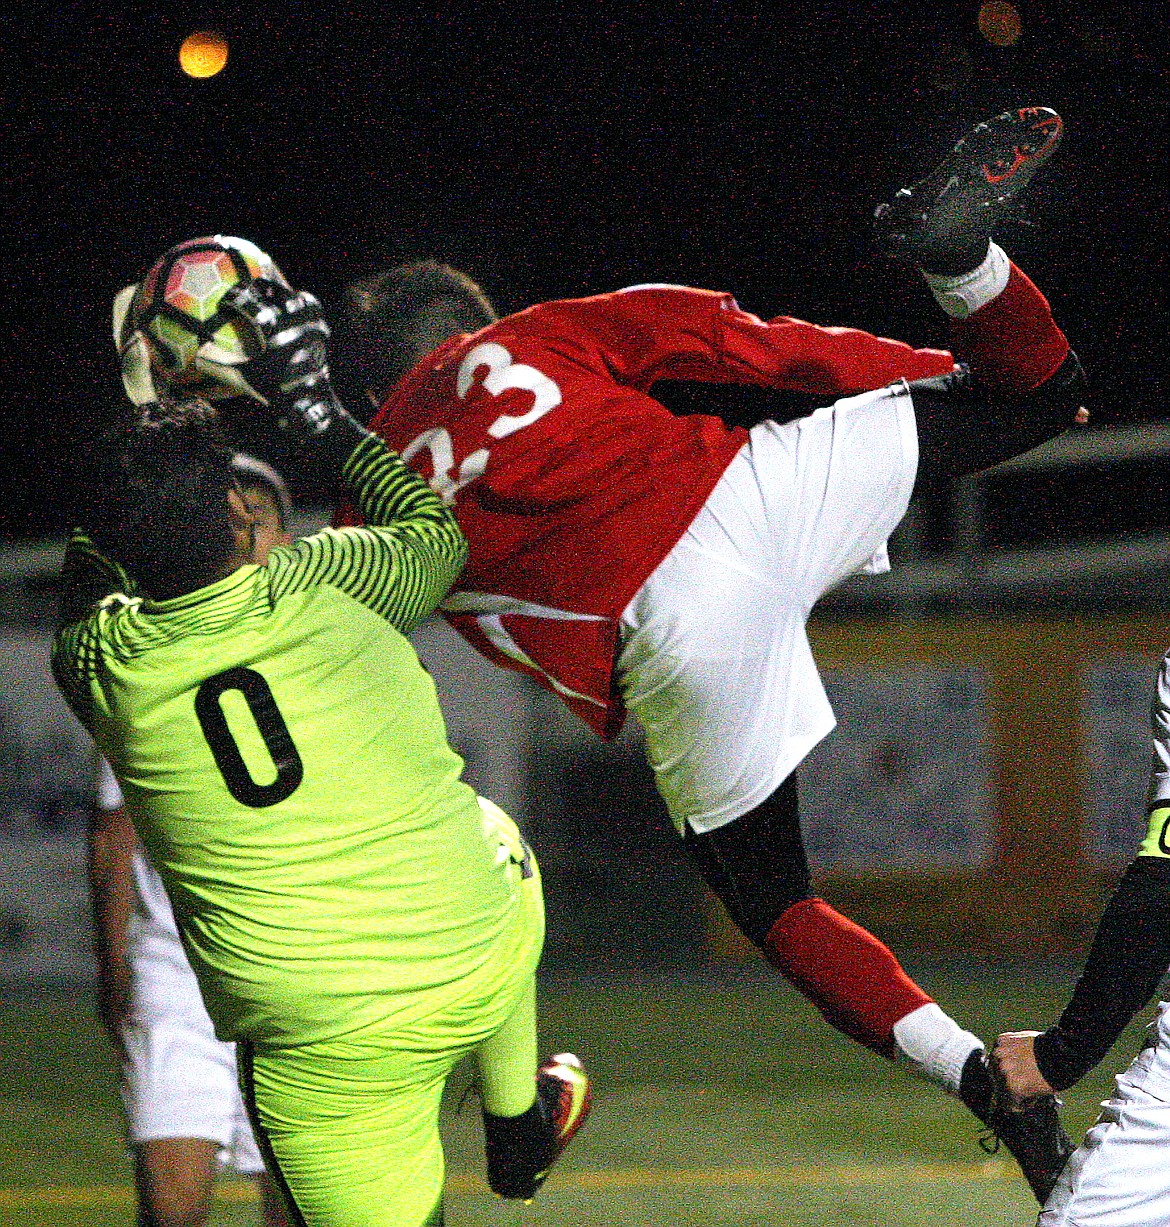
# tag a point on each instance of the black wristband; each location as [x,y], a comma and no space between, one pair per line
[337,442]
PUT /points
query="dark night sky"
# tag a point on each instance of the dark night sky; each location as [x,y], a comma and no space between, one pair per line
[554,152]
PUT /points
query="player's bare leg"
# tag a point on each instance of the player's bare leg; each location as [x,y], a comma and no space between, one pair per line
[273,1210]
[175,1178]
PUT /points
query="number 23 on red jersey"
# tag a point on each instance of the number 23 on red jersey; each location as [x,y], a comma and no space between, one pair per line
[491,365]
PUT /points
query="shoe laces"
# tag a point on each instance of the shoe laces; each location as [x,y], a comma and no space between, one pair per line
[470,1091]
[990,1141]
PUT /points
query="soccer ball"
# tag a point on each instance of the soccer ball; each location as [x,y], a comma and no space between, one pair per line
[172,331]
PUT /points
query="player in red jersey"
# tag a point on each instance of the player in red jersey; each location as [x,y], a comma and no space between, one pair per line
[632,560]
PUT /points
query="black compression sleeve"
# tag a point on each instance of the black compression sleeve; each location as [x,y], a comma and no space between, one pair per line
[756,864]
[1129,957]
[962,428]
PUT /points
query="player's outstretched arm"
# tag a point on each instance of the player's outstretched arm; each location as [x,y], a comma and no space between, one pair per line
[1128,958]
[646,333]
[403,563]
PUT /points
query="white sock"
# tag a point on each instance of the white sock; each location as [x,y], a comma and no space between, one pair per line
[935,1045]
[965,293]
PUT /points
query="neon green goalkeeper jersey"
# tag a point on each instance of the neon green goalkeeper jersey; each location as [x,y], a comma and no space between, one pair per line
[283,754]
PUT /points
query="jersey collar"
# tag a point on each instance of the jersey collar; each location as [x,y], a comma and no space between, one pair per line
[232,591]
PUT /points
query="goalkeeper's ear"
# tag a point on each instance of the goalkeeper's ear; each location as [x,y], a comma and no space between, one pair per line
[133,351]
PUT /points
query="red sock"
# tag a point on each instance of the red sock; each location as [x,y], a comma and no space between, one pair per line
[1012,343]
[850,976]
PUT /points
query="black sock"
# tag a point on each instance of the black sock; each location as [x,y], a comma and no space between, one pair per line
[529,1128]
[957,260]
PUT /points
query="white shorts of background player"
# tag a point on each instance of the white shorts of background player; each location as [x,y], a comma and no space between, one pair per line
[715,660]
[1120,1174]
[179,1081]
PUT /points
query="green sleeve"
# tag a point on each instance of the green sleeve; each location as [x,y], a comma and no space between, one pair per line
[1155,842]
[403,561]
[87,578]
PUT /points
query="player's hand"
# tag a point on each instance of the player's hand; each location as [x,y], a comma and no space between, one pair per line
[292,370]
[1013,1065]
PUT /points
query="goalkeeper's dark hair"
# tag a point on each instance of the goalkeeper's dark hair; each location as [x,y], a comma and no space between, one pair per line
[389,321]
[155,497]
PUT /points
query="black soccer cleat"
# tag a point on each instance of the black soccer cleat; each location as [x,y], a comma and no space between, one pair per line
[943,223]
[522,1149]
[1033,1134]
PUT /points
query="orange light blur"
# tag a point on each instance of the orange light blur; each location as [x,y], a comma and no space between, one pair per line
[203,53]
[1000,23]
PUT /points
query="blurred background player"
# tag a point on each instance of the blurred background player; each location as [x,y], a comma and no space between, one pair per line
[1119,1176]
[357,919]
[184,1113]
[629,559]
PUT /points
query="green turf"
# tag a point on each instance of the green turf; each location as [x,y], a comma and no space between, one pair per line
[720,1100]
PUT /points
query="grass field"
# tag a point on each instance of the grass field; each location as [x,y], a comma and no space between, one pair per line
[720,1100]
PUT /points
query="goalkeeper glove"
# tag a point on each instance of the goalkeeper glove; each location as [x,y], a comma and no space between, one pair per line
[291,372]
[133,351]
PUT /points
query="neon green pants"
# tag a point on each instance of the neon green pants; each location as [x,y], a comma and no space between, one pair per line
[349,1127]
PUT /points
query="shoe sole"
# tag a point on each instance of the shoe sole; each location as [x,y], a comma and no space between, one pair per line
[984,172]
[1008,150]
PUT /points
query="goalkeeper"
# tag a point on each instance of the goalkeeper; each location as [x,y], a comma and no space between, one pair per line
[357,919]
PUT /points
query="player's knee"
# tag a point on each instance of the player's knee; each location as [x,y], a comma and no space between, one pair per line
[756,864]
[757,921]
[964,428]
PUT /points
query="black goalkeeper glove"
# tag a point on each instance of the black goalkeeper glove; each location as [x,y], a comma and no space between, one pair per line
[292,370]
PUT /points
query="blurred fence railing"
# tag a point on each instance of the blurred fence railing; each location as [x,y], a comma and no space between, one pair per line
[985,783]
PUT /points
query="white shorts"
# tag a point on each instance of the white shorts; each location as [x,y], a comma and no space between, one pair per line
[179,1081]
[715,661]
[1119,1175]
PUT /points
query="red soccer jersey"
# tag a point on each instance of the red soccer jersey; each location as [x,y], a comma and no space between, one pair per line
[571,482]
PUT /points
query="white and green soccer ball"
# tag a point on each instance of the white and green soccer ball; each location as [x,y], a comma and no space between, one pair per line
[174,335]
